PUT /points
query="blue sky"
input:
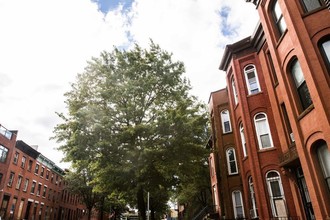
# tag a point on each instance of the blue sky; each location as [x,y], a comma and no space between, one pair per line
[106,5]
[45,44]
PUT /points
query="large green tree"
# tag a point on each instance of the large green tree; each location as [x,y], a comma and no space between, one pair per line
[133,122]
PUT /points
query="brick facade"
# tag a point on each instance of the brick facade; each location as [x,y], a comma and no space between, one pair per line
[32,186]
[281,77]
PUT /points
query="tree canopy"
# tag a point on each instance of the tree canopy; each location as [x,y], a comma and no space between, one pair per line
[134,126]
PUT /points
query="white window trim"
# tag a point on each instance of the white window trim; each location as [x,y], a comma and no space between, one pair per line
[270,192]
[228,161]
[223,122]
[234,203]
[247,80]
[268,128]
[233,85]
[253,211]
[243,141]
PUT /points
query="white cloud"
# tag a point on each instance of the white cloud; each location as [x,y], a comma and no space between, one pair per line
[44,44]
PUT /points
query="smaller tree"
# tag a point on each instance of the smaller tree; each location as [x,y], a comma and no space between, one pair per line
[78,183]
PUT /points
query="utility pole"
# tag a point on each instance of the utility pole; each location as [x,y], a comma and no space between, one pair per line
[148,211]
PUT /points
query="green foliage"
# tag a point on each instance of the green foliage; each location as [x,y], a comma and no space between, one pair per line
[133,124]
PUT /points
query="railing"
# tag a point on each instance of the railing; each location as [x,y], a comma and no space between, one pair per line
[289,155]
[286,218]
[5,132]
[253,213]
[202,213]
[327,3]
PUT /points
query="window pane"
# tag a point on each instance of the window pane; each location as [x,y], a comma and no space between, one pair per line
[326,50]
[262,127]
[234,91]
[304,96]
[233,168]
[275,186]
[265,140]
[311,4]
[225,121]
[277,11]
[282,25]
[297,74]
[324,158]
[227,126]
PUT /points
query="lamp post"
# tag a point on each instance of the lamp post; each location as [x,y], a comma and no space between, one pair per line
[148,211]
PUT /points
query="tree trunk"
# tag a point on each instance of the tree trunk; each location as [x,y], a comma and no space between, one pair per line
[89,213]
[141,204]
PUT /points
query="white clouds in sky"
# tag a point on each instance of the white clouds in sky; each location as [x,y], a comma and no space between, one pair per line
[44,44]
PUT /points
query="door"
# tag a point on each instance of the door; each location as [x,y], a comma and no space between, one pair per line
[305,194]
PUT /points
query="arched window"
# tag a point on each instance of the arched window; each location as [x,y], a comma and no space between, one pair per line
[241,131]
[253,210]
[238,204]
[263,131]
[325,51]
[225,120]
[251,78]
[276,195]
[234,90]
[301,86]
[278,18]
[231,161]
[323,155]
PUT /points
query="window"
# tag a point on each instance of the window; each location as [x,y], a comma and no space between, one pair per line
[263,131]
[251,79]
[39,189]
[1,175]
[241,130]
[234,91]
[26,184]
[325,50]
[3,154]
[42,171]
[278,18]
[36,170]
[33,187]
[23,162]
[276,195]
[47,174]
[323,155]
[253,210]
[49,194]
[310,5]
[231,161]
[301,86]
[287,123]
[15,160]
[19,182]
[44,192]
[30,165]
[238,204]
[225,119]
[11,178]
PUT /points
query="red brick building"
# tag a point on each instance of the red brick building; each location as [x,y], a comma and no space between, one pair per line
[224,171]
[279,99]
[31,185]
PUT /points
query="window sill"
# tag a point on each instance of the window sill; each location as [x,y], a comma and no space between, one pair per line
[229,132]
[281,38]
[306,111]
[254,94]
[266,149]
